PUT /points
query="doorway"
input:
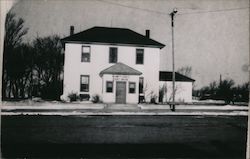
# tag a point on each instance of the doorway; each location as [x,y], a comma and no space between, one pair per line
[120,92]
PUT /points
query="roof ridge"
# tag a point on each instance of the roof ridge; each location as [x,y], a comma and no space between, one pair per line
[110,27]
[112,35]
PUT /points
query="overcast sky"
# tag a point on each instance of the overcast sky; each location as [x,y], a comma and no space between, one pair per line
[211,36]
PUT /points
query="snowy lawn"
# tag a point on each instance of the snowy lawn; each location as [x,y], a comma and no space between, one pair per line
[122,113]
[76,108]
[200,107]
[41,104]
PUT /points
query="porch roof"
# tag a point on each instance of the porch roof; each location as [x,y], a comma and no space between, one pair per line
[120,69]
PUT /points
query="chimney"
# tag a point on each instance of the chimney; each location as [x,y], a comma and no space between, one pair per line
[72,30]
[147,33]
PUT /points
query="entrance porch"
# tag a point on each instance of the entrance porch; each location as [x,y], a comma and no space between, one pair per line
[120,84]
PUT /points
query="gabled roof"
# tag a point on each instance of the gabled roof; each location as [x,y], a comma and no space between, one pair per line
[112,36]
[167,76]
[120,69]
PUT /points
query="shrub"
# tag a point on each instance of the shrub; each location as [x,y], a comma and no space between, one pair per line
[225,90]
[241,93]
[153,97]
[162,92]
[52,91]
[73,97]
[141,99]
[95,98]
[152,101]
[84,97]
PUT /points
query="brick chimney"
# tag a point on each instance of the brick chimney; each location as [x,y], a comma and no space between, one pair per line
[72,30]
[147,33]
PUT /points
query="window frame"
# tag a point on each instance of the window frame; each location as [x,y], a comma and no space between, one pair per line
[82,53]
[110,52]
[107,86]
[132,83]
[82,83]
[136,56]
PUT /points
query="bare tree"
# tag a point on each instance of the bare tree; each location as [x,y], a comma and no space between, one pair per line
[162,92]
[14,32]
[225,91]
[176,91]
[186,71]
[48,65]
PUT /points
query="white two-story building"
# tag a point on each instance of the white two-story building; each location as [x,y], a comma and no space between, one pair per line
[117,64]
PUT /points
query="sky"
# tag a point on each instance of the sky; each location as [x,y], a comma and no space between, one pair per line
[211,36]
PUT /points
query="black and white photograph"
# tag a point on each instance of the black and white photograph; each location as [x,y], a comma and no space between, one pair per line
[124,78]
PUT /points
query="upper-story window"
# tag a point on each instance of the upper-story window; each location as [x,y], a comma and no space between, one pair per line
[112,55]
[139,56]
[85,54]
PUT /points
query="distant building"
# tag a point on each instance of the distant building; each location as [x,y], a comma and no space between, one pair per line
[183,87]
[117,64]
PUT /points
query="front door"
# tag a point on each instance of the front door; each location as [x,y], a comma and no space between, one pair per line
[120,92]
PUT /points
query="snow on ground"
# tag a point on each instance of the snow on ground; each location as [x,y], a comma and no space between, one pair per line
[41,103]
[59,106]
[204,107]
[145,109]
[209,101]
[54,107]
[76,113]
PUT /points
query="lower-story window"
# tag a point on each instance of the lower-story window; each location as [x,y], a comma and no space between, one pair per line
[109,87]
[84,83]
[131,87]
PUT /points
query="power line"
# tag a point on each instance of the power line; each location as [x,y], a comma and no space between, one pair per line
[214,11]
[143,9]
[164,13]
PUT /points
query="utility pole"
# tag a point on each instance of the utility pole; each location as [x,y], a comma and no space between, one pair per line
[172,14]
